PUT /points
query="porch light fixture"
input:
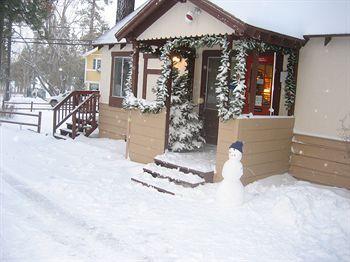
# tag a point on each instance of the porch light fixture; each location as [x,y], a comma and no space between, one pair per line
[176,58]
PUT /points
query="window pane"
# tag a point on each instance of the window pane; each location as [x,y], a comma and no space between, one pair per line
[98,64]
[117,84]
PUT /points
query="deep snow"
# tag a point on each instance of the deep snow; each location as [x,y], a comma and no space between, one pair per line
[74,201]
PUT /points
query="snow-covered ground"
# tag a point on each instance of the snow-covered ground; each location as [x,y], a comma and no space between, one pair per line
[74,201]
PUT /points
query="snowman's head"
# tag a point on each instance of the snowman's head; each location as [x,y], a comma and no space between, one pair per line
[234,154]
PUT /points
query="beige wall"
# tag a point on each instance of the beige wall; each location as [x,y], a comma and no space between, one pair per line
[323,90]
[173,24]
[266,149]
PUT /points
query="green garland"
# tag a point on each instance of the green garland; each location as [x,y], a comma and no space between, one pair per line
[229,103]
[161,91]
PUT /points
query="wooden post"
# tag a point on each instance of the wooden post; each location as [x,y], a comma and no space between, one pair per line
[54,122]
[168,106]
[39,122]
[127,148]
[135,66]
[74,123]
[31,106]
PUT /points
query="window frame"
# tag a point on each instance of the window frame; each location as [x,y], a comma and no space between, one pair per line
[113,100]
[95,63]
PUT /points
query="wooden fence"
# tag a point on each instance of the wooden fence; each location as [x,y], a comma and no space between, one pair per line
[37,124]
[321,160]
[266,150]
[146,135]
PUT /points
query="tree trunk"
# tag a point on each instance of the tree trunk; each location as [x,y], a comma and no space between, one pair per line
[2,18]
[124,7]
[92,18]
[8,62]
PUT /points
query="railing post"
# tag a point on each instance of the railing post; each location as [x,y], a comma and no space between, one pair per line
[31,106]
[39,122]
[54,122]
[74,123]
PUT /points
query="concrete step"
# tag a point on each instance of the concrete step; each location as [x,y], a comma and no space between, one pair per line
[174,175]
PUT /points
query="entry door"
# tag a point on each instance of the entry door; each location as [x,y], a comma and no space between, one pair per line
[209,112]
[259,84]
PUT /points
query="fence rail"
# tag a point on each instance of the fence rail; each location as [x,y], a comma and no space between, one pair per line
[31,108]
[37,125]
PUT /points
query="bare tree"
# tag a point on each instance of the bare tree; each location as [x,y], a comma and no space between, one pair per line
[124,7]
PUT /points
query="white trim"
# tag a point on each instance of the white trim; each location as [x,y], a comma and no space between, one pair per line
[85,69]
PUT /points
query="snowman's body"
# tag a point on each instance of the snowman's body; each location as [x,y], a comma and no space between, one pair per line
[231,189]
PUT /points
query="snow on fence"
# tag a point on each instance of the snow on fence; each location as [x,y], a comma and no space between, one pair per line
[146,135]
[29,105]
[267,145]
[320,160]
[37,124]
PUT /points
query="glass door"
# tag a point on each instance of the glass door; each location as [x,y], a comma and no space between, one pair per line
[259,84]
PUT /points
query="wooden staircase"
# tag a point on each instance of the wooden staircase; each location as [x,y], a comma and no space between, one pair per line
[78,111]
[170,178]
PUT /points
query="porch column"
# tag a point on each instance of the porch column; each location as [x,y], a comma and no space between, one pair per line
[135,66]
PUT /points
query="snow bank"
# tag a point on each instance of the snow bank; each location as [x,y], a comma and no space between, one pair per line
[73,200]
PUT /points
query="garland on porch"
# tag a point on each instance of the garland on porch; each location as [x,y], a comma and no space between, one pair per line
[161,89]
[229,103]
[241,49]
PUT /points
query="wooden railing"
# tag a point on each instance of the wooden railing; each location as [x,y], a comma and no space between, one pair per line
[37,124]
[82,106]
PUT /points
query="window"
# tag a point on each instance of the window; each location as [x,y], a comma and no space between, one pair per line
[94,87]
[121,63]
[96,64]
[120,74]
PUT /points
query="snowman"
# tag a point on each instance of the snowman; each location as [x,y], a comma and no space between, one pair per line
[231,190]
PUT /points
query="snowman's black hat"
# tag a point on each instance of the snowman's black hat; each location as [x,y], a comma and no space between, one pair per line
[237,145]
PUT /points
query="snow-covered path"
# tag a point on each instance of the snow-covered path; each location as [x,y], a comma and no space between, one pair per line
[74,201]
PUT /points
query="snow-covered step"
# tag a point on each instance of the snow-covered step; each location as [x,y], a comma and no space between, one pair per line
[207,176]
[58,136]
[161,185]
[174,175]
[66,131]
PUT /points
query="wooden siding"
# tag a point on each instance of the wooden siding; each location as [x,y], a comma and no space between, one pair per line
[321,160]
[112,122]
[266,149]
[146,136]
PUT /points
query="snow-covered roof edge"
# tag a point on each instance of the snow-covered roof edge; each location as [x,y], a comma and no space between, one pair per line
[90,52]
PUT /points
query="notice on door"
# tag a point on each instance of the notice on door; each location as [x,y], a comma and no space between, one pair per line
[258,100]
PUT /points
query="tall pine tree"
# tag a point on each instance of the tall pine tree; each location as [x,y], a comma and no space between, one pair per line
[185,126]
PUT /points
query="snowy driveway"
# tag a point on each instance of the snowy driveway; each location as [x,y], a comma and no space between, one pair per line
[74,201]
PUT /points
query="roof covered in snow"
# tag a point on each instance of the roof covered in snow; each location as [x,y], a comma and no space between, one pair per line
[292,17]
[109,36]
